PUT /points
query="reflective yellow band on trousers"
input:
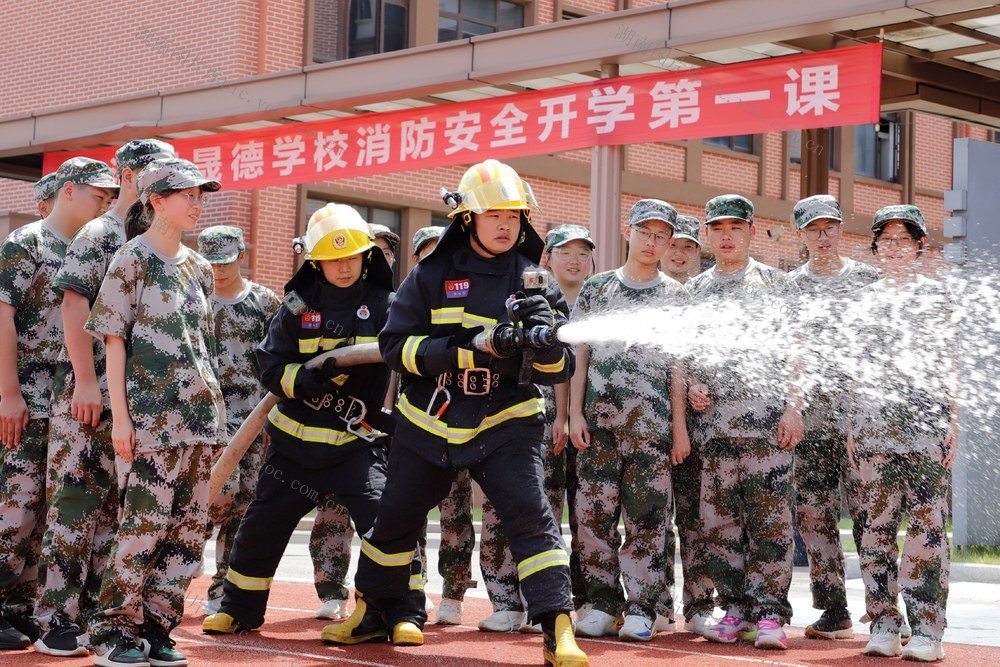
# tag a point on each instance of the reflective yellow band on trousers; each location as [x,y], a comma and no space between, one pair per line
[247,583]
[384,559]
[553,558]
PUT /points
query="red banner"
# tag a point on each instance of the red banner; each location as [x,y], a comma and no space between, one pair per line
[823,89]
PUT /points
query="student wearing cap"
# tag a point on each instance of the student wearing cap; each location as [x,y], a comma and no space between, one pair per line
[569,257]
[31,334]
[425,240]
[243,310]
[826,282]
[83,486]
[620,421]
[750,420]
[44,191]
[154,313]
[681,262]
[387,241]
[903,438]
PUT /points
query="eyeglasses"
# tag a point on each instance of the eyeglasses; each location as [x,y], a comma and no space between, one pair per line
[644,235]
[894,241]
[815,233]
[582,256]
[192,199]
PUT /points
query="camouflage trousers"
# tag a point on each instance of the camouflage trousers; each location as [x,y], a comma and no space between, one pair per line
[82,518]
[892,485]
[698,591]
[228,509]
[746,513]
[22,517]
[159,544]
[495,561]
[330,549]
[821,468]
[458,538]
[622,476]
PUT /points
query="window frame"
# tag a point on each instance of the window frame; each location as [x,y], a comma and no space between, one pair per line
[460,18]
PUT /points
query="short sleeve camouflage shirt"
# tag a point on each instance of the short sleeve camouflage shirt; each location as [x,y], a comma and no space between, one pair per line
[628,386]
[162,307]
[747,400]
[29,259]
[240,326]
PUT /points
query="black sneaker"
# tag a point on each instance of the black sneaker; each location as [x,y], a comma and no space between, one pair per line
[126,652]
[833,624]
[27,624]
[12,639]
[61,639]
[159,648]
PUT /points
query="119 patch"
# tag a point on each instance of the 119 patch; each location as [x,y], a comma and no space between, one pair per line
[312,320]
[457,289]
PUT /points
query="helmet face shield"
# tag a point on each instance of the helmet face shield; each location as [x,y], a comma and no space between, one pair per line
[508,192]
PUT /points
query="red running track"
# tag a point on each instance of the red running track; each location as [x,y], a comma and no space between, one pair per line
[290,637]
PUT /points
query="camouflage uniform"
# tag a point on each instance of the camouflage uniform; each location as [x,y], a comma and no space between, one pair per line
[31,257]
[899,426]
[82,491]
[330,549]
[44,188]
[626,469]
[240,325]
[161,306]
[821,464]
[746,481]
[458,538]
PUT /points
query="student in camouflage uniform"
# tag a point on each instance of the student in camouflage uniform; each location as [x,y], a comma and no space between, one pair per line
[569,257]
[44,191]
[681,262]
[243,310]
[821,458]
[31,333]
[82,489]
[750,422]
[154,312]
[903,439]
[620,406]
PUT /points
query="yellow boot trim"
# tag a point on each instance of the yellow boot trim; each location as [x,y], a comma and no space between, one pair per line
[220,623]
[567,653]
[347,631]
[407,634]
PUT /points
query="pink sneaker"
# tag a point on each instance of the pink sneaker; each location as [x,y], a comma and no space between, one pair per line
[770,635]
[729,630]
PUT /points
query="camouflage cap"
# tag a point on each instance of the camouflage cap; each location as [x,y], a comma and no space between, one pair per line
[817,207]
[728,207]
[86,171]
[383,232]
[169,174]
[424,235]
[44,187]
[221,244]
[562,234]
[687,228]
[903,213]
[652,209]
[137,153]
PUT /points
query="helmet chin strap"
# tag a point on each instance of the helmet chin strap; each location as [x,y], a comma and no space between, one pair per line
[467,217]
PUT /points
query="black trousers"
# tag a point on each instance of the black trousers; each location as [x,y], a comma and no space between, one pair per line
[286,492]
[511,476]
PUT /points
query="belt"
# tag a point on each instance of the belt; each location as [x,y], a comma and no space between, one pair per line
[469,381]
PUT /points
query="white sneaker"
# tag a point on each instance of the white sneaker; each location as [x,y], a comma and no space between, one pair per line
[428,606]
[664,624]
[449,613]
[700,623]
[923,649]
[905,632]
[212,606]
[885,644]
[636,628]
[333,610]
[529,629]
[583,611]
[502,621]
[597,624]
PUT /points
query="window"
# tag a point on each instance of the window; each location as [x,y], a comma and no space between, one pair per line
[372,214]
[354,28]
[795,147]
[742,143]
[876,149]
[459,19]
